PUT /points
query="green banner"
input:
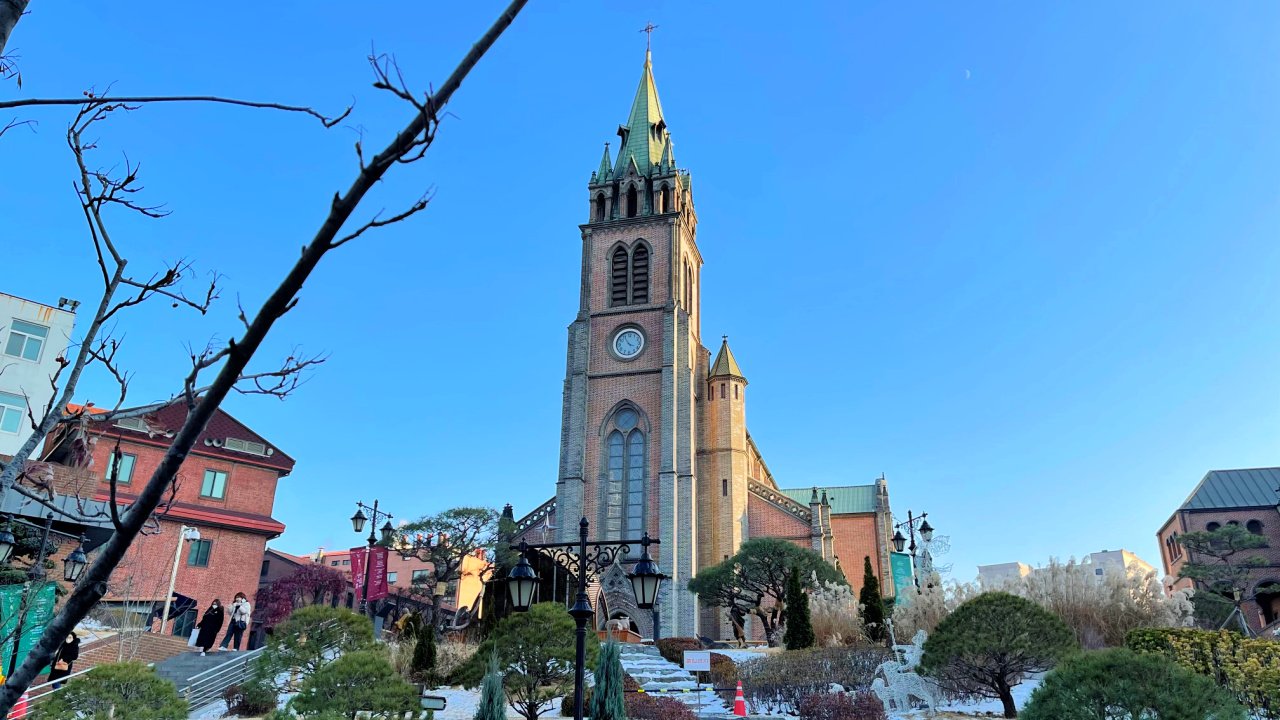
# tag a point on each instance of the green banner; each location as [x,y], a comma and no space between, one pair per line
[904,584]
[40,601]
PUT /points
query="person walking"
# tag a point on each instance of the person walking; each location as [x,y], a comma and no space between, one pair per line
[209,626]
[240,612]
[63,658]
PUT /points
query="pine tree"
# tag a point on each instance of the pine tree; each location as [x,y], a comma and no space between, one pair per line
[493,699]
[606,699]
[872,604]
[423,667]
[799,634]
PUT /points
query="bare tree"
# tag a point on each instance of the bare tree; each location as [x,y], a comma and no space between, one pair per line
[228,362]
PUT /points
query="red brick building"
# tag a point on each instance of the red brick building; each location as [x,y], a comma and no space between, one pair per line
[225,492]
[1248,498]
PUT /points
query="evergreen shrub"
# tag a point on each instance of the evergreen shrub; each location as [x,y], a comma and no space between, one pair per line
[1248,668]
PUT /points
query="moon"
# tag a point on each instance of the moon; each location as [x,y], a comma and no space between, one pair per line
[967,74]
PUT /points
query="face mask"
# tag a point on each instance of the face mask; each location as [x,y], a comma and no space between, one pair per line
[215,606]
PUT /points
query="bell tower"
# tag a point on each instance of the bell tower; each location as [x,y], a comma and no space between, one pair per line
[635,363]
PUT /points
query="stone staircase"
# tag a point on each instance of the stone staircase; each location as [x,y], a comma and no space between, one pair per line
[179,669]
[656,674]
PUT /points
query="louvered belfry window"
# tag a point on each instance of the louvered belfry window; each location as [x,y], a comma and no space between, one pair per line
[640,275]
[618,278]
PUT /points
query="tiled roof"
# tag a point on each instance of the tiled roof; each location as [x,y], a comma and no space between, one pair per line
[220,517]
[221,426]
[1223,489]
[725,363]
[644,137]
[844,499]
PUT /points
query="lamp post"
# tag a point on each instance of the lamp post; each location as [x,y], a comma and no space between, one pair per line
[185,533]
[357,523]
[899,542]
[645,579]
[73,566]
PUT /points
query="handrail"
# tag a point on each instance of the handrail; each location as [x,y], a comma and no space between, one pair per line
[242,657]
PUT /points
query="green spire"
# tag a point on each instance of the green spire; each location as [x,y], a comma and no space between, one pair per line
[645,136]
[725,364]
[603,173]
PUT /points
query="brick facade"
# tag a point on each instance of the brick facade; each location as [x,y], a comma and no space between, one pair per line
[700,462]
[234,521]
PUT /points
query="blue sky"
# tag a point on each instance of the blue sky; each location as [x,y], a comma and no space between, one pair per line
[1020,258]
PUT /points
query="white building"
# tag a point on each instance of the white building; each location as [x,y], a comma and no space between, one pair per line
[1000,572]
[32,337]
[1118,559]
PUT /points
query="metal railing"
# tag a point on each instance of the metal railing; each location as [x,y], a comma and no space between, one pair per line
[205,688]
[37,694]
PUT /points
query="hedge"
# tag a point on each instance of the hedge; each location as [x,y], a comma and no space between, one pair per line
[1247,667]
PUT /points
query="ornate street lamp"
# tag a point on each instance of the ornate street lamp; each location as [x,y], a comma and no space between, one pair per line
[899,541]
[522,581]
[7,540]
[645,578]
[387,532]
[358,520]
[645,582]
[926,531]
[75,563]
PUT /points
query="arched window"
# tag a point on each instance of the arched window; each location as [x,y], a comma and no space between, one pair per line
[624,491]
[632,202]
[600,207]
[1212,526]
[640,275]
[1254,526]
[618,278]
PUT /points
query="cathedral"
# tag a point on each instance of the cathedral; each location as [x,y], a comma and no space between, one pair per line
[654,435]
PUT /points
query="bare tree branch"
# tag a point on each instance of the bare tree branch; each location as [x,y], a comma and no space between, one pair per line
[93,584]
[153,99]
[10,12]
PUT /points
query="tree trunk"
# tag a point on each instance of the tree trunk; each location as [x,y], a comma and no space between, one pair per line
[10,12]
[1006,698]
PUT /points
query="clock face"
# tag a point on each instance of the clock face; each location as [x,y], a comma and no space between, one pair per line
[628,343]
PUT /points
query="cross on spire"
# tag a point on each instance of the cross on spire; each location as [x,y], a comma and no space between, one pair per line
[648,31]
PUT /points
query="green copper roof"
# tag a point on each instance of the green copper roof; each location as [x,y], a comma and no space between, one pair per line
[725,364]
[644,137]
[603,172]
[845,500]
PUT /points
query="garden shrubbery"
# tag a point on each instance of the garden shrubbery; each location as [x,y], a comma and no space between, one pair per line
[672,649]
[356,681]
[841,706]
[776,683]
[1248,668]
[1119,683]
[120,690]
[251,700]
[643,706]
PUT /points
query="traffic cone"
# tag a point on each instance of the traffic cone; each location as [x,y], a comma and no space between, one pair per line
[20,708]
[739,702]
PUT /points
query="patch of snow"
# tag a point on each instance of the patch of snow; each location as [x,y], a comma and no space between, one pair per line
[211,712]
[461,704]
[1021,695]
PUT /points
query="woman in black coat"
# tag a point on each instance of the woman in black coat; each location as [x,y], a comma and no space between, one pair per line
[65,656]
[209,626]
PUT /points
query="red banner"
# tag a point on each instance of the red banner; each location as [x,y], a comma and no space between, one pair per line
[377,573]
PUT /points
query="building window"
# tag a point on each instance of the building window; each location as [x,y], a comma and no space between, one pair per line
[25,340]
[12,408]
[618,278]
[724,487]
[1097,571]
[214,485]
[122,468]
[198,553]
[735,391]
[1212,527]
[266,565]
[334,563]
[721,391]
[420,577]
[633,202]
[640,275]
[347,561]
[391,576]
[1254,526]
[600,207]
[624,491]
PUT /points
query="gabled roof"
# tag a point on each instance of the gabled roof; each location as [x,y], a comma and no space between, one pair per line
[725,364]
[645,136]
[211,442]
[844,499]
[1225,489]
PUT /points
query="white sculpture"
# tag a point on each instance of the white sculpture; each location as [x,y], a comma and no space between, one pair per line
[897,683]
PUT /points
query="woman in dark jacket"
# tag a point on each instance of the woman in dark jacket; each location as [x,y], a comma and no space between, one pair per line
[209,626]
[63,658]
